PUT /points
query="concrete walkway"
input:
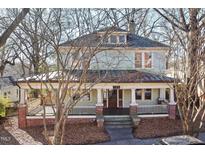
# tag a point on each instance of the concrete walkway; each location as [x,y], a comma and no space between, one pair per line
[20,135]
[123,136]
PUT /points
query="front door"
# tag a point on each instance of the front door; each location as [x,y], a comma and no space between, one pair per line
[112,98]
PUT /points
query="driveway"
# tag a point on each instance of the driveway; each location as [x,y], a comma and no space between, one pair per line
[123,136]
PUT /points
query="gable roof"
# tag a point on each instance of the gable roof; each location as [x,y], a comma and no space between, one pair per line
[133,40]
[105,76]
[7,81]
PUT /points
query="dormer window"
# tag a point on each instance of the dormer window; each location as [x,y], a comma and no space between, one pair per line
[121,38]
[113,39]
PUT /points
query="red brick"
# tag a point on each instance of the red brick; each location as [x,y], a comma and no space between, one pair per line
[172,111]
[22,111]
[99,110]
[133,109]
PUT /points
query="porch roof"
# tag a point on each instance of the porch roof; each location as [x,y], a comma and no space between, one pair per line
[103,76]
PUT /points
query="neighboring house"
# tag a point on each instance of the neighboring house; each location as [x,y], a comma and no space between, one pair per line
[9,89]
[135,83]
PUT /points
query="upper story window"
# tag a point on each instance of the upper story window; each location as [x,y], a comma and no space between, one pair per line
[147,59]
[122,39]
[143,60]
[113,39]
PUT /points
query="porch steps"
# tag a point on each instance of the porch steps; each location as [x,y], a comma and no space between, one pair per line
[118,121]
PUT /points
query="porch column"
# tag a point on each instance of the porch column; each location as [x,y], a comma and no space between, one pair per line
[133,105]
[22,108]
[172,105]
[99,109]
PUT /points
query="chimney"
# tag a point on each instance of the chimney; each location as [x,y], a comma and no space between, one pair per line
[131,27]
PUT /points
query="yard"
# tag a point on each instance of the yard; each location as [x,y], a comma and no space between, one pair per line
[158,127]
[85,133]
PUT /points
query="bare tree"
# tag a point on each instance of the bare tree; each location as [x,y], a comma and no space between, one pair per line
[188,26]
[7,56]
[72,68]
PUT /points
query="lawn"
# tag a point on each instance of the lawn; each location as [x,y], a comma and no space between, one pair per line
[158,127]
[84,133]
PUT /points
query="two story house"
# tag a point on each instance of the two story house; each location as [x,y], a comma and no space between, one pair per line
[134,80]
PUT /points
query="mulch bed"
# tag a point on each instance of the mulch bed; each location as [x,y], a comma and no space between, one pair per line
[158,127]
[5,137]
[84,133]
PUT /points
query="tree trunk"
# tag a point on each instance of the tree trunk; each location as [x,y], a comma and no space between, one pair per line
[13,26]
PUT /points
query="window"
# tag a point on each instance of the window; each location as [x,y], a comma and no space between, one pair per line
[76,97]
[148,94]
[121,38]
[138,60]
[87,96]
[113,39]
[106,40]
[138,94]
[75,55]
[9,92]
[147,60]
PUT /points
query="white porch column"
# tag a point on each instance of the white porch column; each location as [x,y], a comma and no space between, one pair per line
[162,93]
[99,109]
[99,97]
[23,96]
[133,99]
[172,96]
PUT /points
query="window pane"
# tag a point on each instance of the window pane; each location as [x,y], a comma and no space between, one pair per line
[122,38]
[113,39]
[148,60]
[87,96]
[106,40]
[138,60]
[148,94]
[138,94]
[75,55]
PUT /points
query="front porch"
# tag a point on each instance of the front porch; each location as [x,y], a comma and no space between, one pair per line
[134,99]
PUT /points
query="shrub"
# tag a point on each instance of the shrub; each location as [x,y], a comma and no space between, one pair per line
[4,103]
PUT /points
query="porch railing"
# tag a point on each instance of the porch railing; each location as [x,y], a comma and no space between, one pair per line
[152,109]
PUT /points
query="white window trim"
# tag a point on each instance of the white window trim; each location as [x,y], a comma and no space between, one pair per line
[143,60]
[143,95]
